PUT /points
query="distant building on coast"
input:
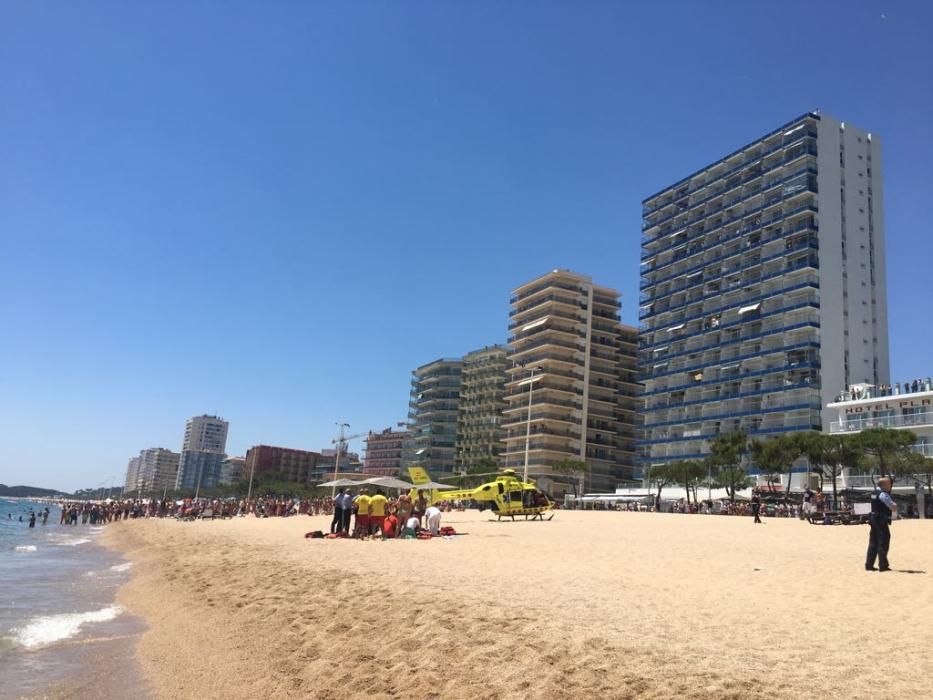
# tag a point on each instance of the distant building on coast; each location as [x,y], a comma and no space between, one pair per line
[202,453]
[132,475]
[152,472]
[293,465]
[573,360]
[433,411]
[232,470]
[763,289]
[383,455]
[482,400]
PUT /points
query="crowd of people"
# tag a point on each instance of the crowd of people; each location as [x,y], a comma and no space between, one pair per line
[376,515]
[359,515]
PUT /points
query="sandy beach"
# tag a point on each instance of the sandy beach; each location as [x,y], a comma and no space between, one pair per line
[591,604]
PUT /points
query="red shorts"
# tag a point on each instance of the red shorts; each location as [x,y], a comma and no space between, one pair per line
[362,521]
[376,521]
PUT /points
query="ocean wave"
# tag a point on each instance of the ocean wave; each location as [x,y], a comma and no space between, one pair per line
[25,548]
[45,630]
[72,542]
[122,567]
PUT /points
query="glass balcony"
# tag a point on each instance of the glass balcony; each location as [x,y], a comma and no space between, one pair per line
[863,422]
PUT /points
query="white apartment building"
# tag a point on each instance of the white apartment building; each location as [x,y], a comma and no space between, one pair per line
[763,288]
[154,470]
[205,434]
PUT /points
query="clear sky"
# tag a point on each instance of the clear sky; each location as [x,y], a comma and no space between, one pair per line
[275,211]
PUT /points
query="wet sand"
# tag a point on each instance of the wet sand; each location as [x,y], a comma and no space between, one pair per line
[591,604]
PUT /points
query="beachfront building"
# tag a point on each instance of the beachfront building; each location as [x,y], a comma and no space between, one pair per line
[865,406]
[432,416]
[199,470]
[153,471]
[482,400]
[292,465]
[132,475]
[202,452]
[384,452]
[350,464]
[763,288]
[232,470]
[158,469]
[205,433]
[572,362]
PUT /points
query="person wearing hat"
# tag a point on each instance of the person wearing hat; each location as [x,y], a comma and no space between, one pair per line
[879,539]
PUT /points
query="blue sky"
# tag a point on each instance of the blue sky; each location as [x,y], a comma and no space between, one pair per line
[275,211]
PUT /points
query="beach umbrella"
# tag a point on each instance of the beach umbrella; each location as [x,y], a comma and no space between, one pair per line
[340,482]
[387,482]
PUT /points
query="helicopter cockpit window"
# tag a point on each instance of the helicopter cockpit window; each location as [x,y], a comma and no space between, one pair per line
[515,497]
[500,487]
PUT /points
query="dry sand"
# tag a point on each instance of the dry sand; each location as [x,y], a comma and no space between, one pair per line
[591,604]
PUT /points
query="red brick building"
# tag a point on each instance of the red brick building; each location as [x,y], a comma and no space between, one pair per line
[293,465]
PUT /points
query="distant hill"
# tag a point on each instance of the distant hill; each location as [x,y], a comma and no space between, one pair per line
[27,492]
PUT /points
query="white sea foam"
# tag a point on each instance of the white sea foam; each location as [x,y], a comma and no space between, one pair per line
[42,631]
[72,542]
[25,548]
[122,567]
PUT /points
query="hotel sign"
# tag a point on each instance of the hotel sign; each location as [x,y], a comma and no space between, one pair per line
[890,406]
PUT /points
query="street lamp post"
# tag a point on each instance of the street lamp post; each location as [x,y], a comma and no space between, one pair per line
[531,387]
[249,491]
[340,443]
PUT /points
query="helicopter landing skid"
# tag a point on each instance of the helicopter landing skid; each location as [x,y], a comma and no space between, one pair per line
[536,516]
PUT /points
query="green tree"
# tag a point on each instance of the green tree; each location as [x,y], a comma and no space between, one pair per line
[842,452]
[574,469]
[774,458]
[727,453]
[920,468]
[687,474]
[884,448]
[659,475]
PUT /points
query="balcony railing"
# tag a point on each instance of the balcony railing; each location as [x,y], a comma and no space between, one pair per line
[858,423]
[723,176]
[683,188]
[725,222]
[700,267]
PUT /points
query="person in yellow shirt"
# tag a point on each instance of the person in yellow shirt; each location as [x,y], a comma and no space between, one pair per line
[362,514]
[378,507]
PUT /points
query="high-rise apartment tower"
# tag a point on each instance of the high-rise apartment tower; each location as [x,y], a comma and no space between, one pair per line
[763,288]
[482,400]
[571,366]
[432,416]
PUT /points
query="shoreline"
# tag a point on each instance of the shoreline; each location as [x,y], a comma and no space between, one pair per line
[606,604]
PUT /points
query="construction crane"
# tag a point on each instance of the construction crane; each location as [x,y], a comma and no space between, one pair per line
[341,442]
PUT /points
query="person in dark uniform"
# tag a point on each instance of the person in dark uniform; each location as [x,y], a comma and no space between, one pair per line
[756,505]
[879,539]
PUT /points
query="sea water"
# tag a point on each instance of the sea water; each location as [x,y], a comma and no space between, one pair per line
[61,629]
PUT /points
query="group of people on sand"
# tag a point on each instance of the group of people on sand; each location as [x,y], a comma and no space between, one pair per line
[376,515]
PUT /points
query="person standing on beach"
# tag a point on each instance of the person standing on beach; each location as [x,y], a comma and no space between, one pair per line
[361,528]
[756,506]
[337,523]
[378,506]
[879,538]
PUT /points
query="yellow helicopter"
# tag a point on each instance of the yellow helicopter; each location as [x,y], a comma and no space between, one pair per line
[507,496]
